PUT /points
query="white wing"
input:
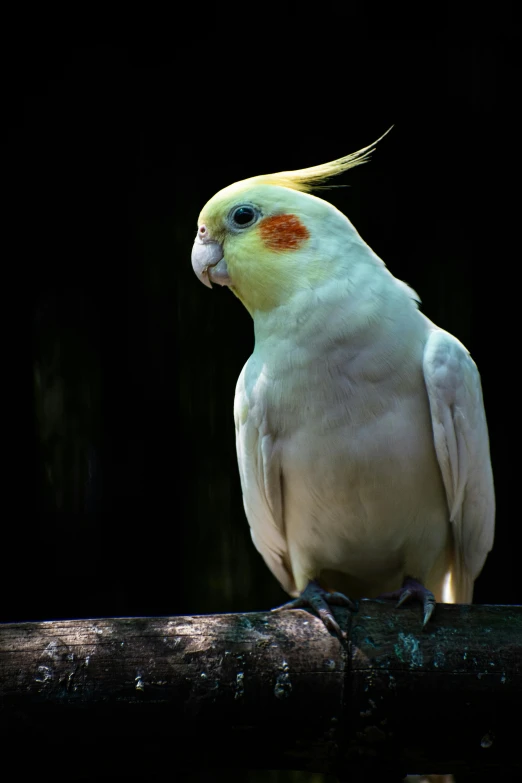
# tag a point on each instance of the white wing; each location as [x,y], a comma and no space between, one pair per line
[259,469]
[462,446]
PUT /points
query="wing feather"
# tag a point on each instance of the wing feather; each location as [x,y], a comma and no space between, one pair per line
[261,482]
[462,445]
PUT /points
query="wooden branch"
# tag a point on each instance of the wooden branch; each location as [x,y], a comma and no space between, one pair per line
[265,691]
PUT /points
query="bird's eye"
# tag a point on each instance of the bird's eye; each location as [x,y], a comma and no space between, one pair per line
[241,217]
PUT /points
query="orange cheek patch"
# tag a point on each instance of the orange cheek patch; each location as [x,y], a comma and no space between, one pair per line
[283,232]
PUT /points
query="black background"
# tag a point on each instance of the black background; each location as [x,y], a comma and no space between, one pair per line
[121,491]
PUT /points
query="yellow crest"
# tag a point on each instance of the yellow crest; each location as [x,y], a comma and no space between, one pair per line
[312,178]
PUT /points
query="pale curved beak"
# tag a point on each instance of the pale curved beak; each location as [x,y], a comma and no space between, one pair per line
[208,262]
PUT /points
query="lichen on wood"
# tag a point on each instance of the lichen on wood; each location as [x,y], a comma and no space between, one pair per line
[271,691]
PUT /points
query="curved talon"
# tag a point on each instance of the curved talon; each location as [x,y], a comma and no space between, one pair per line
[318,599]
[429,604]
[340,599]
[328,619]
[412,588]
[296,603]
[404,597]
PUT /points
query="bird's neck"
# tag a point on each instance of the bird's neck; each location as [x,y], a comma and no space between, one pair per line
[350,310]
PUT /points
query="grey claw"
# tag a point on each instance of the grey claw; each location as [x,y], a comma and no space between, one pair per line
[404,597]
[429,606]
[339,599]
[297,603]
[317,599]
[331,624]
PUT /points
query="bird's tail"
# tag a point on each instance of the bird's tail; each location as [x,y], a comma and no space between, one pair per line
[458,585]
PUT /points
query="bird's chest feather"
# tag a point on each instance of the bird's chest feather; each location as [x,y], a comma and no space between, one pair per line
[340,432]
[357,461]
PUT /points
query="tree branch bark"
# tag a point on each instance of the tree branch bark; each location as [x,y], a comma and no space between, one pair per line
[266,691]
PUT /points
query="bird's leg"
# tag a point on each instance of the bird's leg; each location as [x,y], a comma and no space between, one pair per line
[317,598]
[412,588]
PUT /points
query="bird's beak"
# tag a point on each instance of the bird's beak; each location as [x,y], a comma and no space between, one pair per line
[208,262]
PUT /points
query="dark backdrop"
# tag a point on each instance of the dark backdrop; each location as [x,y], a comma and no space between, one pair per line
[121,491]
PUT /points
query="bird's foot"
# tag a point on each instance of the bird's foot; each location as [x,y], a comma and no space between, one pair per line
[317,598]
[412,588]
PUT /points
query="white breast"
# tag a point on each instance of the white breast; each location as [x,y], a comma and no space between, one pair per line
[349,419]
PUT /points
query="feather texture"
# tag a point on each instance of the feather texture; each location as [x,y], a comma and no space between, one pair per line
[314,177]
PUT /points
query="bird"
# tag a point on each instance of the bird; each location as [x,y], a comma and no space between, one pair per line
[361,434]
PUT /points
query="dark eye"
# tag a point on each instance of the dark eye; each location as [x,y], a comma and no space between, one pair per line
[243,216]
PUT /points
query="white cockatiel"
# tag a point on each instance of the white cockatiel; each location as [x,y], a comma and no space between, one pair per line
[361,435]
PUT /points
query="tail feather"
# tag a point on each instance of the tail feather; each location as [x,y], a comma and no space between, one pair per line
[458,585]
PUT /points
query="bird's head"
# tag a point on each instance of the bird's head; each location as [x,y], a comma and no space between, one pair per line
[268,238]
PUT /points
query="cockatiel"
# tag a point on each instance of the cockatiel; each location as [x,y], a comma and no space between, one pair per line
[361,435]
